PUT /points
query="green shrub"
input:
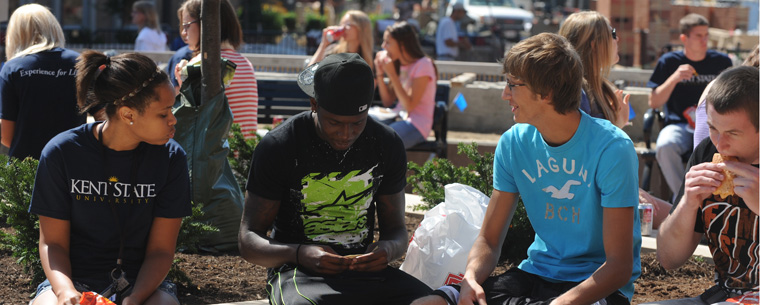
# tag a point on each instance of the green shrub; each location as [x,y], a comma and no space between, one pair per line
[374,17]
[191,232]
[429,180]
[241,152]
[272,20]
[289,19]
[314,22]
[16,184]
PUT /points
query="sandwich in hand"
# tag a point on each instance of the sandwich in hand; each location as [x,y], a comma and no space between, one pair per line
[727,187]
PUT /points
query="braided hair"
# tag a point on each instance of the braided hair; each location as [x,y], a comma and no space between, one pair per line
[128,79]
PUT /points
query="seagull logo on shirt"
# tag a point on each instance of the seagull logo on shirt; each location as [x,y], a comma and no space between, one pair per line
[564,192]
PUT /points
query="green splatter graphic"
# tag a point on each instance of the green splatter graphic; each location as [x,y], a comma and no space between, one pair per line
[335,206]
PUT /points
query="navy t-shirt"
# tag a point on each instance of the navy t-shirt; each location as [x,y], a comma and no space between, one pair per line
[327,196]
[687,92]
[38,93]
[78,180]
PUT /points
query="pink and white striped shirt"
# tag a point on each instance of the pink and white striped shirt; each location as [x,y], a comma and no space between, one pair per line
[243,93]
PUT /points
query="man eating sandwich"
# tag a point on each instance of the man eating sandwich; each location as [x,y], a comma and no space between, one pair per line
[719,199]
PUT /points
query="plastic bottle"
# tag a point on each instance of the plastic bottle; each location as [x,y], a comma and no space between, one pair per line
[334,34]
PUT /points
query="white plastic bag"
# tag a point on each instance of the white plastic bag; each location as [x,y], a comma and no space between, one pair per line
[438,251]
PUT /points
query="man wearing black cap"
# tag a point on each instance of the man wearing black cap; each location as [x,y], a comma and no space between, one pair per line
[317,181]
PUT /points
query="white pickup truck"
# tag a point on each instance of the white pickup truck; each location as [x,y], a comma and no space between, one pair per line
[512,22]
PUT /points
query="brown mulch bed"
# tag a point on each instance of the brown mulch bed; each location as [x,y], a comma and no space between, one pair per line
[224,278]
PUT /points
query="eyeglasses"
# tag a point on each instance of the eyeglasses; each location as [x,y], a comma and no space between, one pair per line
[349,25]
[186,25]
[511,85]
[614,34]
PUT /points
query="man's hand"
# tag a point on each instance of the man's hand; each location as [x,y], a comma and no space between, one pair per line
[68,297]
[701,181]
[684,72]
[746,182]
[376,259]
[471,292]
[322,259]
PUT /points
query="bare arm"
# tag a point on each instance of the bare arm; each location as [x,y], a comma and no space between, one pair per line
[386,92]
[8,128]
[54,256]
[319,54]
[677,238]
[409,98]
[617,268]
[256,247]
[485,251]
[393,235]
[622,116]
[159,253]
[661,94]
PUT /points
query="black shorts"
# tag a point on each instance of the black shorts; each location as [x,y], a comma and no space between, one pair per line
[286,285]
[517,287]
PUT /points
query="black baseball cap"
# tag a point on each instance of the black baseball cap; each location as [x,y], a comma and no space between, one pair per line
[341,83]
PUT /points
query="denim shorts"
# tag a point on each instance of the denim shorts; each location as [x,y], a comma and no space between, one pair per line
[165,286]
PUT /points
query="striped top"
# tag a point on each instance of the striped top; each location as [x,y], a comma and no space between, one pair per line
[243,93]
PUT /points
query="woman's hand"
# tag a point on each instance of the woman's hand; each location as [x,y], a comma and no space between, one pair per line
[324,39]
[622,116]
[68,297]
[380,61]
[178,71]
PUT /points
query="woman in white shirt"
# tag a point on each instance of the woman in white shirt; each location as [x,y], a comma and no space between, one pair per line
[150,38]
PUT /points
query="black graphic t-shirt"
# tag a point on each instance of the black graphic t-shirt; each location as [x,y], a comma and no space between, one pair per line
[732,231]
[687,92]
[326,196]
[72,184]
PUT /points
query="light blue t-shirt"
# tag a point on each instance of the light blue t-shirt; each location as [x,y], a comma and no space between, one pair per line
[564,190]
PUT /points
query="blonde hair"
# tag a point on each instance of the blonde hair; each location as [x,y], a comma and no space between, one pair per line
[365,36]
[590,34]
[149,10]
[32,29]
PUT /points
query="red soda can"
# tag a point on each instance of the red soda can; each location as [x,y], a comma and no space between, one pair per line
[334,34]
[646,218]
[276,120]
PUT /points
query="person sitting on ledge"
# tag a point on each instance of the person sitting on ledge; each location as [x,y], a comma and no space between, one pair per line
[317,180]
[727,216]
[575,174]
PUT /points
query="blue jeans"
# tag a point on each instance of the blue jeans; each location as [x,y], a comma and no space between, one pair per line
[409,134]
[674,140]
[165,286]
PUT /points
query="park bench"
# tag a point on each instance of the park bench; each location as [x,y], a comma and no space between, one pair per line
[284,98]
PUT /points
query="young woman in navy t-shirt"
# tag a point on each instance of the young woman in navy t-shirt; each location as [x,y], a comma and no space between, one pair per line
[111,195]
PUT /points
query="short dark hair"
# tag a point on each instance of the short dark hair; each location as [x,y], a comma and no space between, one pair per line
[549,65]
[690,21]
[736,89]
